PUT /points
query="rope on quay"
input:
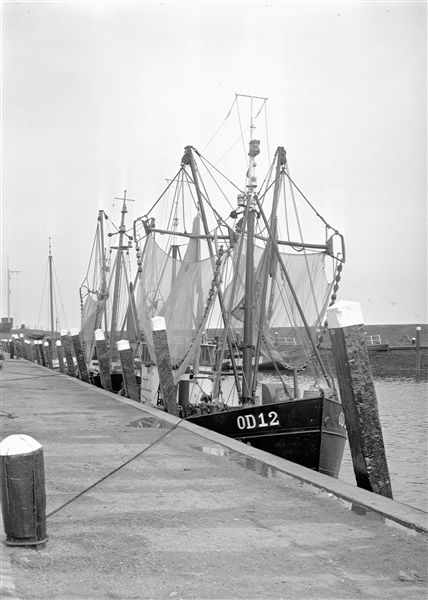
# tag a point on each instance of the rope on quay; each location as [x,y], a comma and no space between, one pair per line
[24,378]
[166,434]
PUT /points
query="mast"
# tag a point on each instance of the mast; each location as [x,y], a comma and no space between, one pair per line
[101,217]
[118,275]
[9,291]
[51,288]
[189,159]
[268,256]
[250,202]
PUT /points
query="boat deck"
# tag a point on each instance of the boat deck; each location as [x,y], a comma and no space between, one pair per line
[192,514]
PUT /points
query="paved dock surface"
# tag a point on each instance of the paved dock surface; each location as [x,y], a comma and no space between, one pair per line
[194,515]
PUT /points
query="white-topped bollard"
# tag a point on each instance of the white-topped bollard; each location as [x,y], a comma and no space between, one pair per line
[80,355]
[357,391]
[23,491]
[61,355]
[126,357]
[163,363]
[103,359]
[66,344]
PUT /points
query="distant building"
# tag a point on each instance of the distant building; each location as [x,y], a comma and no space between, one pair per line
[6,325]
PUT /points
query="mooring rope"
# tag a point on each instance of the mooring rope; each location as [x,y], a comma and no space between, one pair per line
[114,471]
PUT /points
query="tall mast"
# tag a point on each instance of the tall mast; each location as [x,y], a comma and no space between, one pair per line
[9,291]
[250,202]
[118,275]
[189,159]
[268,257]
[51,288]
[101,245]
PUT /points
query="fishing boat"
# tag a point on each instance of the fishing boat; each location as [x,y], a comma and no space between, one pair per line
[106,295]
[258,272]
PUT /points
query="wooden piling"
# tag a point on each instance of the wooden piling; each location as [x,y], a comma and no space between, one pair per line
[43,354]
[48,353]
[126,357]
[80,355]
[25,349]
[18,348]
[418,351]
[36,348]
[61,356]
[30,351]
[66,344]
[103,359]
[163,363]
[358,396]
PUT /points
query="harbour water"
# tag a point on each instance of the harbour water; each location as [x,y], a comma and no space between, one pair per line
[403,413]
[402,403]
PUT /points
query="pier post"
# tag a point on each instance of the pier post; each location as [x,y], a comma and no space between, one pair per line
[23,491]
[126,357]
[351,358]
[30,351]
[18,347]
[418,351]
[80,356]
[42,354]
[61,355]
[66,344]
[48,354]
[103,359]
[24,348]
[163,363]
[37,352]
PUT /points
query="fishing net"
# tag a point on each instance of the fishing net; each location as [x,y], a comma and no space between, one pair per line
[180,290]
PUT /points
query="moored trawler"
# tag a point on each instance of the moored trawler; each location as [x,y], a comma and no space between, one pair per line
[257,272]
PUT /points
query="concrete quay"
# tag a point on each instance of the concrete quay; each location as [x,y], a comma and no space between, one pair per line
[167,510]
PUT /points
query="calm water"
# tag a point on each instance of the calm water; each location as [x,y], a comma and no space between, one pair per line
[402,404]
[403,414]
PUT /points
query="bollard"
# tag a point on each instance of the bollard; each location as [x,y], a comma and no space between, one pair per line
[42,353]
[37,352]
[358,394]
[48,354]
[126,357]
[66,344]
[80,355]
[163,361]
[61,356]
[23,491]
[103,359]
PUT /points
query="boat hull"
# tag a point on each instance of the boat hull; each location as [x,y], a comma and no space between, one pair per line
[310,432]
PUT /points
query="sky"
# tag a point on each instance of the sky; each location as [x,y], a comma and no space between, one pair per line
[102,97]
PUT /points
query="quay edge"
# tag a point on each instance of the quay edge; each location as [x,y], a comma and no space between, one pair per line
[402,514]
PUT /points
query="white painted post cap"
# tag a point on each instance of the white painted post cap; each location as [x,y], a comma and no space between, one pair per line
[123,345]
[344,314]
[58,343]
[18,444]
[99,335]
[46,344]
[158,324]
[74,332]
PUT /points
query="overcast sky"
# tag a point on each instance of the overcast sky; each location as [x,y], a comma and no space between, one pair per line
[102,97]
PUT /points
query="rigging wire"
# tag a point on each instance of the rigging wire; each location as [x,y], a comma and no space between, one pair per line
[221,126]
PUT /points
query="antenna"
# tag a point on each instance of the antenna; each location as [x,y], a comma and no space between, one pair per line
[9,278]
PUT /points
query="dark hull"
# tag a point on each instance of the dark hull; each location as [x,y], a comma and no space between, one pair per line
[309,432]
[116,381]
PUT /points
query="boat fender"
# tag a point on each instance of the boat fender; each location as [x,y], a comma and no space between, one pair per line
[203,407]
